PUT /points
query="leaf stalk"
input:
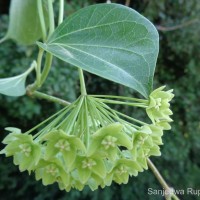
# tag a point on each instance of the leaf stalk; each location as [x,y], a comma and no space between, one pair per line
[42,21]
[61,12]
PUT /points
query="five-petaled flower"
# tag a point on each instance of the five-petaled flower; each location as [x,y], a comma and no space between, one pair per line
[107,141]
[60,143]
[26,152]
[158,109]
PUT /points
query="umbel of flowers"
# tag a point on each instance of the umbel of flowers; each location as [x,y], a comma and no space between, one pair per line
[89,144]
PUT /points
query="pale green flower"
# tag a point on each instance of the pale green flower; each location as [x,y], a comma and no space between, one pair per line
[26,153]
[146,143]
[51,171]
[60,143]
[107,140]
[158,109]
[123,168]
[89,166]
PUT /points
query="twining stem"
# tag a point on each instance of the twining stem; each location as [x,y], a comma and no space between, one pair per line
[47,67]
[51,17]
[161,179]
[82,82]
[175,197]
[61,12]
[47,97]
[38,70]
[41,77]
[49,56]
[157,174]
[42,21]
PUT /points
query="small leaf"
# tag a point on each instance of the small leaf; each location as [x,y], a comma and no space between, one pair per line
[15,86]
[111,41]
[24,23]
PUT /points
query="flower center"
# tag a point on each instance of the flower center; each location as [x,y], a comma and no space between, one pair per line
[88,163]
[142,139]
[52,169]
[25,149]
[63,145]
[109,141]
[122,170]
[158,103]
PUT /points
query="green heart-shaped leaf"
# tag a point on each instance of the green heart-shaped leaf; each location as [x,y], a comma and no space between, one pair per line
[109,40]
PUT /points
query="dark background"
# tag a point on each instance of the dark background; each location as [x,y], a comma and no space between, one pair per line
[178,67]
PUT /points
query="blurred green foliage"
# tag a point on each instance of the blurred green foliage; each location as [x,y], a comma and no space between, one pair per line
[178,67]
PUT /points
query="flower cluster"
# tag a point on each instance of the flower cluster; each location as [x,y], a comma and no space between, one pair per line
[112,155]
[95,150]
[159,107]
